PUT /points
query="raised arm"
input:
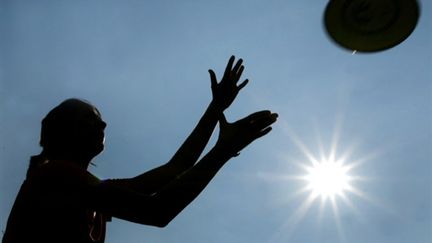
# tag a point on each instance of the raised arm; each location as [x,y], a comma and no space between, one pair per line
[224,94]
[160,208]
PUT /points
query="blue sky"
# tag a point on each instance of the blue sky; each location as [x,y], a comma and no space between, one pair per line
[144,65]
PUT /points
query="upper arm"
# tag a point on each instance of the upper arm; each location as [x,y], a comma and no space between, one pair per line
[152,181]
[71,187]
[122,202]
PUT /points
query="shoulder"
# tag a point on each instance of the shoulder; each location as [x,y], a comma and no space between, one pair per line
[63,172]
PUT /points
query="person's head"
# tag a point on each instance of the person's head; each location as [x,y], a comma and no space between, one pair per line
[74,130]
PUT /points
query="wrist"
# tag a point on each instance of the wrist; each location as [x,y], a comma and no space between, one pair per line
[225,151]
[216,109]
[214,105]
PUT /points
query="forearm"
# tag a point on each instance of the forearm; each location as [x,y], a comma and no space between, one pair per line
[194,145]
[152,181]
[161,207]
[118,200]
[182,191]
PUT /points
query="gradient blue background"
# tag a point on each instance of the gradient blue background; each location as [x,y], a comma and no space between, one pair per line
[144,65]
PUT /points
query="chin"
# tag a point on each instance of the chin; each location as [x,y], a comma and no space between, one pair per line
[95,150]
[100,149]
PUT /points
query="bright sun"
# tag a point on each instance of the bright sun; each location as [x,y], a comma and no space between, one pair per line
[327,178]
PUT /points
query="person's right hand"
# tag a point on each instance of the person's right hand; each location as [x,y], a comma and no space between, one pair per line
[226,90]
[233,137]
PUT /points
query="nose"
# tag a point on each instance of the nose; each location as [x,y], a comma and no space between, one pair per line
[102,124]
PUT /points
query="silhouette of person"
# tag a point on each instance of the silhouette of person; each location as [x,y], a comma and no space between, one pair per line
[60,201]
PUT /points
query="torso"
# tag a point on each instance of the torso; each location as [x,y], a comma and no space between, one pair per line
[54,205]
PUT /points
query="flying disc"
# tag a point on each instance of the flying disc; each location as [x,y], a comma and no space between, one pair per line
[370,25]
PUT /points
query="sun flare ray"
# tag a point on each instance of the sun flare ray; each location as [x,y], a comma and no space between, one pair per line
[328,176]
[339,228]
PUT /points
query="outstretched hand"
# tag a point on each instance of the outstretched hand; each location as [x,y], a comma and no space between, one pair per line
[233,137]
[226,90]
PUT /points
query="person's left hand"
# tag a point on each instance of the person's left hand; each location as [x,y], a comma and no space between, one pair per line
[226,90]
[233,137]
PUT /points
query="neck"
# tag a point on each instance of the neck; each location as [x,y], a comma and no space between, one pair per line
[77,159]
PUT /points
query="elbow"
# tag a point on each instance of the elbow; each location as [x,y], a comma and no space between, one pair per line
[158,219]
[150,219]
[161,222]
[156,222]
[163,213]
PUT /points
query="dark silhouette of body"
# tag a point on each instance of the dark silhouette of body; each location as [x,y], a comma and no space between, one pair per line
[60,201]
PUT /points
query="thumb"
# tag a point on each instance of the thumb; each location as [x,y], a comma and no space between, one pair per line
[213,79]
[222,120]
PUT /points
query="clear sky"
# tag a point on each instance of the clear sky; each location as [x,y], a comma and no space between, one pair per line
[144,65]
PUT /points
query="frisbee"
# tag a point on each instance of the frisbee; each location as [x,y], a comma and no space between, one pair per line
[370,25]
